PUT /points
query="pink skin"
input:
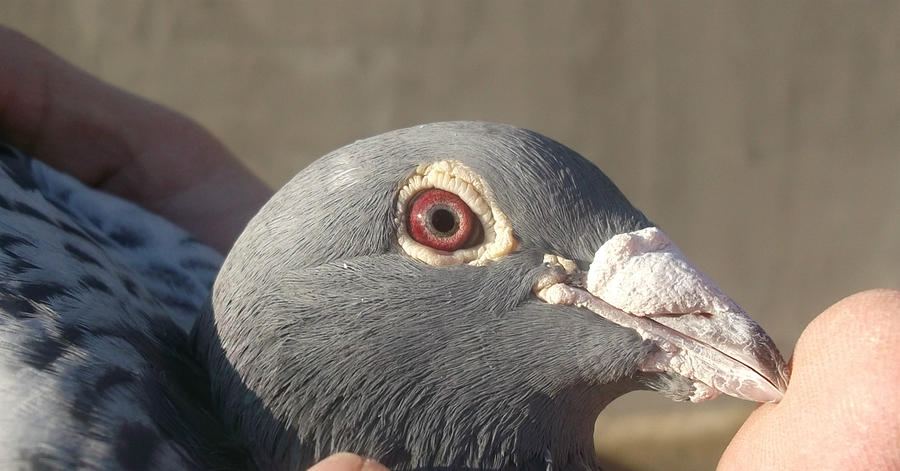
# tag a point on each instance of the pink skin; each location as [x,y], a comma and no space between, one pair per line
[842,406]
[347,462]
[841,409]
[122,144]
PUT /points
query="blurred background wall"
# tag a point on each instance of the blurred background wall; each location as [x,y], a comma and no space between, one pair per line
[764,137]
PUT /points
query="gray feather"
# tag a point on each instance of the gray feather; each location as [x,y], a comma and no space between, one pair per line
[322,336]
[326,333]
[88,285]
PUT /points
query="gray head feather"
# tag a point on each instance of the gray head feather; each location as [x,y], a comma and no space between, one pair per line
[328,338]
[322,335]
[94,291]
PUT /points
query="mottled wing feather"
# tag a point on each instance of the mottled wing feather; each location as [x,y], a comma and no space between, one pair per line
[89,284]
[173,266]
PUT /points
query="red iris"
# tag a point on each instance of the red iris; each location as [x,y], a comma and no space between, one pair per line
[441,220]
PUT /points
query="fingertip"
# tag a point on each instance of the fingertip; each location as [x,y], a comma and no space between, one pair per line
[347,462]
[844,389]
[873,310]
[372,465]
[857,337]
[757,442]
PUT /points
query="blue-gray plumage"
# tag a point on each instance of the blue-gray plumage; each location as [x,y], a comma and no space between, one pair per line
[333,327]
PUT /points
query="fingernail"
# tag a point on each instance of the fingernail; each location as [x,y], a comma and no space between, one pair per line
[371,465]
[347,462]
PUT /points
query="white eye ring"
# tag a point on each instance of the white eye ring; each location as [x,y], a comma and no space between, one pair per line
[453,176]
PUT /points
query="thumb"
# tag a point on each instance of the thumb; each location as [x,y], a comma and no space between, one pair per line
[842,407]
[347,462]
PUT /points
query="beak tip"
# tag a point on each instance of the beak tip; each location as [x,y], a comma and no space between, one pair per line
[768,388]
[754,390]
[768,394]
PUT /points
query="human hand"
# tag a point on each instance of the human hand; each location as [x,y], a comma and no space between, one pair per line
[347,462]
[122,144]
[842,407]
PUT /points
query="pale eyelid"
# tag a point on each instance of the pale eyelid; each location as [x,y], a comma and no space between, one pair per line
[452,176]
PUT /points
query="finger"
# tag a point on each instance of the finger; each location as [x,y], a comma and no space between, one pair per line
[103,136]
[347,462]
[37,113]
[842,407]
[120,143]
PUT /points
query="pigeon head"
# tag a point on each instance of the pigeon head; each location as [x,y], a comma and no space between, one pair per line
[461,296]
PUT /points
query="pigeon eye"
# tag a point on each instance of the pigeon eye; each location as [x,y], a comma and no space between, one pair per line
[441,220]
[446,215]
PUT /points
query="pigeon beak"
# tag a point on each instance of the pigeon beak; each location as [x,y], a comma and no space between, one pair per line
[642,281]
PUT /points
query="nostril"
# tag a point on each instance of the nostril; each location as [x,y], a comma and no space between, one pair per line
[559,270]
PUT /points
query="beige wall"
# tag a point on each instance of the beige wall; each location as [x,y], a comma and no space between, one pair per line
[764,137]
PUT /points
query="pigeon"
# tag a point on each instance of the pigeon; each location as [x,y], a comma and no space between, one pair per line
[459,295]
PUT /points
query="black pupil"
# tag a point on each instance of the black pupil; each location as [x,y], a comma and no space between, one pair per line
[443,221]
